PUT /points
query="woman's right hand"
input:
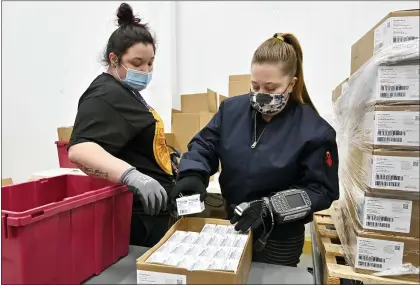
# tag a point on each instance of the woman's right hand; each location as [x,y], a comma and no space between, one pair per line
[189,185]
[151,194]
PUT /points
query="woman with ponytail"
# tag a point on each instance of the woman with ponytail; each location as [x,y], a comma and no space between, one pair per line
[270,142]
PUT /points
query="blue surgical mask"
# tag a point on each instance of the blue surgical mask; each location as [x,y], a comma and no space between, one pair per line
[137,80]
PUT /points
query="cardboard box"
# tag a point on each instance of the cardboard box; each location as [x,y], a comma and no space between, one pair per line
[170,139]
[383,172]
[372,252]
[157,273]
[398,26]
[392,84]
[200,102]
[239,84]
[186,125]
[393,127]
[222,98]
[173,111]
[64,133]
[387,216]
[392,170]
[339,90]
[6,181]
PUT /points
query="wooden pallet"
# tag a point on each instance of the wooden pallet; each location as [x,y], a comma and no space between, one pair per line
[332,254]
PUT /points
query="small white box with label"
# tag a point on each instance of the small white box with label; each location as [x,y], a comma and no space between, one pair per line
[188,205]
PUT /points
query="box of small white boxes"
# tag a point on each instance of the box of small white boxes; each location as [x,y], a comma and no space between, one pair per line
[198,251]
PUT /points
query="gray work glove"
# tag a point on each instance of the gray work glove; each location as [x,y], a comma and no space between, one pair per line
[151,194]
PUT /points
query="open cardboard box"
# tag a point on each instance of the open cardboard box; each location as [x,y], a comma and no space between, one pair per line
[149,273]
[6,181]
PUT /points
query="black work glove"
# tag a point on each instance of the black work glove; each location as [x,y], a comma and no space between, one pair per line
[187,186]
[252,216]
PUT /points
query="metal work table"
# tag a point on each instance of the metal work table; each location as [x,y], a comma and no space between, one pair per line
[318,269]
[124,272]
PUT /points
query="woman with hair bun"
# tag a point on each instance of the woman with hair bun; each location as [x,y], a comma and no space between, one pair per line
[270,142]
[117,136]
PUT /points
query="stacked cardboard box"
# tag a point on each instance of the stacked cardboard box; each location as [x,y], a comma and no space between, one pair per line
[239,84]
[196,112]
[378,112]
[198,109]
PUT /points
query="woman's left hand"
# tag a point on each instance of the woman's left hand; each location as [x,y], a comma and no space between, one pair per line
[251,217]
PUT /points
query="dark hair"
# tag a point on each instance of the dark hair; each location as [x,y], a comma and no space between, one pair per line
[286,48]
[129,32]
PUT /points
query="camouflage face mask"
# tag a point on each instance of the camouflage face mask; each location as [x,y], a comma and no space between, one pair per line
[268,104]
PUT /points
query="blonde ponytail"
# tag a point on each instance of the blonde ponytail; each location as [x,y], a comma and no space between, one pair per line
[285,48]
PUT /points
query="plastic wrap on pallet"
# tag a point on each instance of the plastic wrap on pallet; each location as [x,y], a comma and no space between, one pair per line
[364,125]
[373,135]
[378,255]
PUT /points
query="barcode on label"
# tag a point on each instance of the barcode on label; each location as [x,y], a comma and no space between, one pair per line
[389,139]
[389,177]
[391,133]
[387,184]
[183,211]
[400,39]
[397,247]
[417,118]
[380,218]
[371,259]
[392,94]
[370,264]
[179,281]
[395,87]
[378,225]
[405,206]
[416,163]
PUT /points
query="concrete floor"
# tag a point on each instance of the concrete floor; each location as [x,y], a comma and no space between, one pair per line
[305,261]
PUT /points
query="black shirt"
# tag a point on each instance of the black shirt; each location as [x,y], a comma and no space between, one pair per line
[122,123]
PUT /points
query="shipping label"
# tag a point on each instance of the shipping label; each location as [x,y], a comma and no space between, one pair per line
[396,128]
[398,83]
[395,173]
[395,30]
[378,255]
[150,277]
[387,214]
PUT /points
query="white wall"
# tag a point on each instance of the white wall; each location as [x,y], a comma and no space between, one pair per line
[51,52]
[218,38]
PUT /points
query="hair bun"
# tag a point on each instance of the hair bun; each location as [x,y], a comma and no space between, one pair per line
[126,16]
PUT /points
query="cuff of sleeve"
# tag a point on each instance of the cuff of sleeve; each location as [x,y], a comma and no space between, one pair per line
[202,176]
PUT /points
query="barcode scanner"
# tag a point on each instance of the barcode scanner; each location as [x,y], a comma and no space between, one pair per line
[261,242]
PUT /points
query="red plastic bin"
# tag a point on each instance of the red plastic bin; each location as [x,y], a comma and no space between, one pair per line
[63,230]
[63,158]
